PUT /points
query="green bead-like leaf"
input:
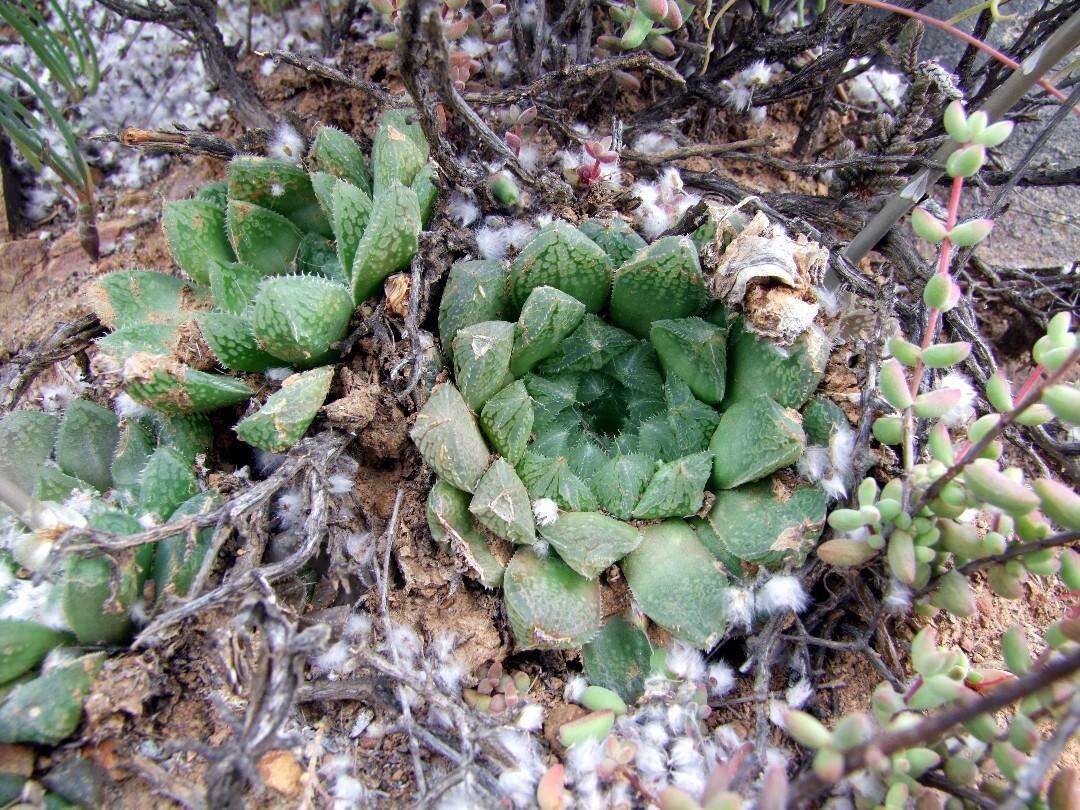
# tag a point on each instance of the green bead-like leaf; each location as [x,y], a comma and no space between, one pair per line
[678,583]
[351,207]
[233,286]
[618,659]
[297,318]
[23,644]
[446,434]
[696,351]
[336,153]
[482,360]
[390,240]
[452,524]
[48,709]
[287,414]
[172,388]
[765,523]
[552,478]
[475,292]
[130,297]
[233,343]
[562,257]
[618,240]
[620,482]
[86,441]
[279,186]
[507,421]
[195,230]
[167,481]
[262,238]
[590,542]
[677,489]
[548,316]
[177,559]
[755,437]
[788,375]
[26,442]
[548,605]
[501,503]
[661,281]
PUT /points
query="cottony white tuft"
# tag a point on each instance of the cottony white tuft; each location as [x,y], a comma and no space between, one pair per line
[286,144]
[546,511]
[685,662]
[721,679]
[531,717]
[462,209]
[799,692]
[574,689]
[781,594]
[964,410]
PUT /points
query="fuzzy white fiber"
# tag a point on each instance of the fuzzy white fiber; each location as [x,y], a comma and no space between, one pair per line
[545,511]
[531,717]
[721,678]
[462,209]
[798,693]
[964,410]
[882,90]
[685,662]
[575,688]
[782,593]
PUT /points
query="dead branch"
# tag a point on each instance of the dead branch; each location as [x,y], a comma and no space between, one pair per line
[697,150]
[278,654]
[324,71]
[69,339]
[574,75]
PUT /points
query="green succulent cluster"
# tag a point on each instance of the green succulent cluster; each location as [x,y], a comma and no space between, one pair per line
[619,398]
[124,475]
[276,259]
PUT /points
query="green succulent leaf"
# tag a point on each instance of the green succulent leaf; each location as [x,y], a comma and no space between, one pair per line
[398,151]
[352,208]
[618,659]
[423,185]
[233,286]
[336,153]
[297,318]
[177,559]
[279,186]
[288,412]
[788,375]
[167,480]
[755,437]
[661,281]
[501,503]
[621,481]
[195,230]
[48,709]
[590,347]
[482,360]
[131,297]
[23,644]
[552,478]
[233,343]
[549,606]
[262,238]
[86,441]
[822,418]
[475,292]
[390,239]
[615,236]
[590,542]
[677,489]
[696,351]
[26,442]
[766,523]
[547,317]
[134,449]
[562,257]
[144,338]
[452,524]
[172,388]
[678,583]
[507,421]
[448,438]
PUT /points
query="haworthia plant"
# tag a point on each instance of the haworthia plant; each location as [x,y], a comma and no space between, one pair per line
[633,423]
[276,259]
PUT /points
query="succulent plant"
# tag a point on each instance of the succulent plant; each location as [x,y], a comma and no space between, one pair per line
[91,470]
[276,258]
[587,432]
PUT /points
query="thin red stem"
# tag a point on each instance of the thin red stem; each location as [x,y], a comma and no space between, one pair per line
[1029,383]
[959,34]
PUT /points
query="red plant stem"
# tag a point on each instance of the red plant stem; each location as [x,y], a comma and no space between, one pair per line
[1029,382]
[932,319]
[959,34]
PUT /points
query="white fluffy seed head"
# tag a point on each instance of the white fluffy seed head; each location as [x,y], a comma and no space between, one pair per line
[721,678]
